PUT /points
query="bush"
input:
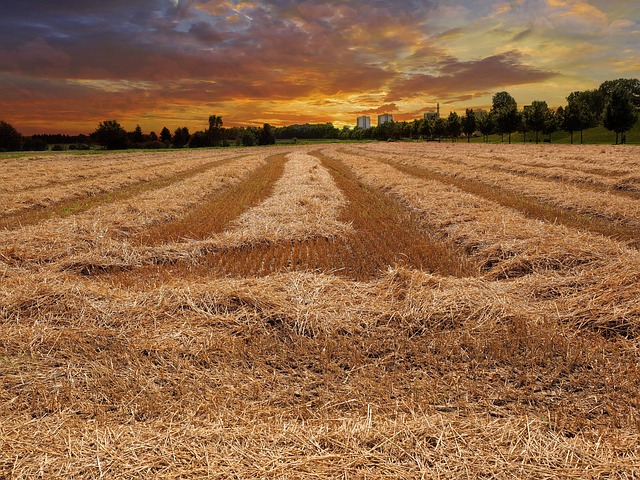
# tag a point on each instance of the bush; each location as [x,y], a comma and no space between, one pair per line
[154,145]
[57,148]
[79,146]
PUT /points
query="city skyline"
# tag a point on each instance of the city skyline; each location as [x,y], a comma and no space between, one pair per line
[65,66]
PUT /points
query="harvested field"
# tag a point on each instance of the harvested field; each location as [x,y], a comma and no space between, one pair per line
[338,312]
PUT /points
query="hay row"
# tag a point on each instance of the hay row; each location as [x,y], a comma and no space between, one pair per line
[104,235]
[587,202]
[505,243]
[305,203]
[364,232]
[104,178]
[613,168]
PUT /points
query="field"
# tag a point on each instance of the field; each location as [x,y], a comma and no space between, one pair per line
[356,311]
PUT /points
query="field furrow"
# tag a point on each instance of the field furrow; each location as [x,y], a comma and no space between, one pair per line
[610,207]
[109,234]
[108,193]
[75,185]
[314,221]
[502,241]
[214,213]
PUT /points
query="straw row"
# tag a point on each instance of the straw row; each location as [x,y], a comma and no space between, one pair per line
[89,176]
[103,233]
[582,200]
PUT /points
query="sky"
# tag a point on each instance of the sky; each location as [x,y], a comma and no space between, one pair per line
[66,65]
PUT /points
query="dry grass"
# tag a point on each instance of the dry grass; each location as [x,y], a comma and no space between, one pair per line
[69,183]
[529,370]
[305,203]
[596,210]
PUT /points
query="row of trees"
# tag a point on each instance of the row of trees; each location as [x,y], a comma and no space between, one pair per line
[113,136]
[615,104]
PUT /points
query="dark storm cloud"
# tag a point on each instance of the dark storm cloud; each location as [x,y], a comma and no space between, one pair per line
[456,77]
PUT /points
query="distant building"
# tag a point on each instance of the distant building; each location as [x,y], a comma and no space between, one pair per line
[385,118]
[433,115]
[480,113]
[364,122]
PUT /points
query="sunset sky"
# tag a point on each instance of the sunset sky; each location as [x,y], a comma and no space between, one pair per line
[66,65]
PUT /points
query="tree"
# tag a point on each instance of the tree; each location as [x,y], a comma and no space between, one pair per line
[631,85]
[181,137]
[199,139]
[535,116]
[165,135]
[111,135]
[585,108]
[425,129]
[454,126]
[469,123]
[571,120]
[10,139]
[136,135]
[266,136]
[215,132]
[248,137]
[486,125]
[620,113]
[439,128]
[506,113]
[551,122]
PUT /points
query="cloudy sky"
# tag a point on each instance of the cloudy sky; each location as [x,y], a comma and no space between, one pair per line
[66,65]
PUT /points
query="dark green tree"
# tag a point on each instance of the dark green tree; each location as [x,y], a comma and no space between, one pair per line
[486,125]
[425,129]
[266,136]
[454,126]
[181,137]
[620,113]
[415,129]
[111,135]
[506,113]
[535,115]
[136,135]
[469,123]
[571,120]
[248,137]
[165,135]
[551,123]
[215,132]
[199,139]
[439,128]
[586,107]
[35,144]
[10,138]
[631,85]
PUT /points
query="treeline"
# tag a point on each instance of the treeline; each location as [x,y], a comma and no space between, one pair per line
[615,104]
[112,136]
